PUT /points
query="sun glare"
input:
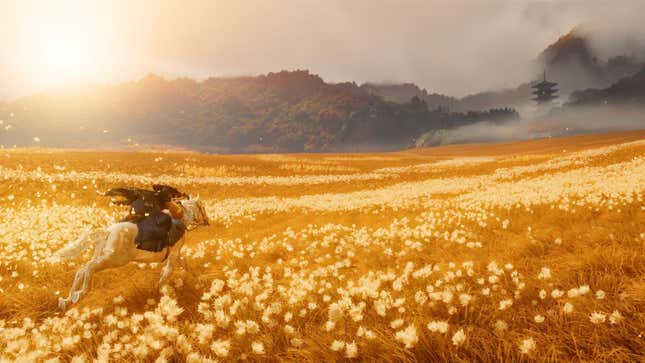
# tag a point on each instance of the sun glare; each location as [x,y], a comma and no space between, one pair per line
[64,59]
[60,53]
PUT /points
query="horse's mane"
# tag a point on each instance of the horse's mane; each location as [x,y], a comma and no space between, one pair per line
[129,194]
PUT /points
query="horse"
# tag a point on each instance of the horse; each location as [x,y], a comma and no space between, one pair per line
[116,247]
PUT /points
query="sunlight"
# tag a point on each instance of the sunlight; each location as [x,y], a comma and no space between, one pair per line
[60,51]
[66,55]
[65,59]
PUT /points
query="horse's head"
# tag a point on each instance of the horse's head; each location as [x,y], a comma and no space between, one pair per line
[194,213]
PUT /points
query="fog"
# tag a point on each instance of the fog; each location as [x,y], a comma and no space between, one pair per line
[561,121]
[453,47]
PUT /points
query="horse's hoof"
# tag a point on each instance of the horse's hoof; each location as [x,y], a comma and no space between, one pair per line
[75,296]
[62,303]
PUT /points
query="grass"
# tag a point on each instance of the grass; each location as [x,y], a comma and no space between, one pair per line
[404,251]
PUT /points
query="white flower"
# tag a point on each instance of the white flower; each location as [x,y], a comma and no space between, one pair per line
[252,327]
[567,308]
[337,345]
[420,297]
[464,299]
[583,289]
[458,338]
[221,347]
[545,273]
[527,346]
[368,334]
[600,294]
[557,293]
[480,281]
[438,326]
[597,317]
[297,342]
[395,324]
[257,347]
[335,312]
[408,336]
[615,317]
[289,330]
[539,318]
[505,304]
[542,294]
[351,350]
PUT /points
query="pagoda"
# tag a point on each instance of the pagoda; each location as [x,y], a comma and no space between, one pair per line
[545,91]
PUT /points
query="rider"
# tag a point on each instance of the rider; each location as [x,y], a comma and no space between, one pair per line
[156,228]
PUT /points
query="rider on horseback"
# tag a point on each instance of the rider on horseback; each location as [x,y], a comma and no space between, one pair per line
[157,229]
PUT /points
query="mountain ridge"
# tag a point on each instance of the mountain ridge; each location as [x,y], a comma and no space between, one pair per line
[278,112]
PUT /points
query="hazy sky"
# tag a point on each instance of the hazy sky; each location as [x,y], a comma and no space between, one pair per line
[449,46]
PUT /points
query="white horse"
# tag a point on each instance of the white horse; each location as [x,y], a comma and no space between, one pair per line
[115,247]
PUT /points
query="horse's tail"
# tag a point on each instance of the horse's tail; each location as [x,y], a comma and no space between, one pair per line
[74,249]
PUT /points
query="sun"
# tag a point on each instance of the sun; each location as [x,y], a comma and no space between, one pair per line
[65,59]
[62,53]
[66,56]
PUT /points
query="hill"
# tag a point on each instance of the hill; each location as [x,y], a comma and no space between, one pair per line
[573,62]
[402,93]
[285,111]
[570,60]
[481,101]
[627,91]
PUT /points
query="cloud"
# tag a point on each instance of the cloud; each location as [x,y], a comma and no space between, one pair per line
[454,47]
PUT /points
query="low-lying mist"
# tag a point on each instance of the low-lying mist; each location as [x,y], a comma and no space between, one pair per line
[558,122]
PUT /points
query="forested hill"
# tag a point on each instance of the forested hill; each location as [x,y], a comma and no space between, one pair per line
[625,92]
[478,102]
[285,111]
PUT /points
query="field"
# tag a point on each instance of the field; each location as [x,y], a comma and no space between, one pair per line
[509,252]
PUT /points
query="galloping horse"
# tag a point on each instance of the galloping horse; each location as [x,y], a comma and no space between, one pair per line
[115,247]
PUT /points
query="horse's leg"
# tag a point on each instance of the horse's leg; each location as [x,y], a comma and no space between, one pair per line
[167,268]
[102,263]
[184,264]
[80,276]
[114,252]
[182,259]
[173,259]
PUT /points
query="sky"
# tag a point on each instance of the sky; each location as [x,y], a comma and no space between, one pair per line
[454,47]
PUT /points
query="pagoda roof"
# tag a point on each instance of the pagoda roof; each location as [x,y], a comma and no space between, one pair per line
[544,84]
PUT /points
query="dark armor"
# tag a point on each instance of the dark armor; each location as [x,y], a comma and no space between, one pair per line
[156,229]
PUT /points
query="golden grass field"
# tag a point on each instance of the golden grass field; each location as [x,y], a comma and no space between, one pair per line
[509,252]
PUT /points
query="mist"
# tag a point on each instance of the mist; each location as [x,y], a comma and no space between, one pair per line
[455,47]
[559,122]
